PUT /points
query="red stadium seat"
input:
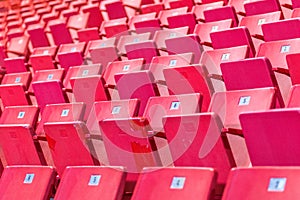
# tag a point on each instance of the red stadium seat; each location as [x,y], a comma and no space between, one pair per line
[293,99]
[261,7]
[88,90]
[203,30]
[49,92]
[138,85]
[272,127]
[68,144]
[221,13]
[20,115]
[29,182]
[64,112]
[46,75]
[128,39]
[18,146]
[185,44]
[231,38]
[240,75]
[125,66]
[60,33]
[265,183]
[164,14]
[81,71]
[199,9]
[41,62]
[182,20]
[146,50]
[175,183]
[88,34]
[14,95]
[97,182]
[281,30]
[161,35]
[15,65]
[292,63]
[189,79]
[108,110]
[195,140]
[212,59]
[95,17]
[254,22]
[38,36]
[23,78]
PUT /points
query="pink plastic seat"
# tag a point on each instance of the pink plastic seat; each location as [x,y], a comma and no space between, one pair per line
[97,182]
[231,38]
[68,144]
[265,182]
[29,182]
[272,127]
[178,183]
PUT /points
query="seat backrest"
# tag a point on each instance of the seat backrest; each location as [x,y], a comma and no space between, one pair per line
[199,9]
[47,75]
[97,182]
[49,92]
[281,30]
[228,105]
[158,107]
[41,62]
[81,71]
[23,78]
[59,29]
[189,79]
[20,115]
[29,182]
[231,38]
[203,30]
[109,110]
[15,65]
[38,36]
[254,22]
[164,14]
[65,112]
[249,74]
[185,44]
[265,183]
[159,63]
[138,85]
[115,10]
[103,55]
[14,95]
[261,7]
[95,16]
[88,90]
[212,59]
[293,66]
[17,145]
[182,20]
[121,67]
[69,59]
[175,183]
[272,126]
[127,138]
[221,13]
[129,39]
[277,51]
[161,35]
[195,140]
[146,50]
[64,152]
